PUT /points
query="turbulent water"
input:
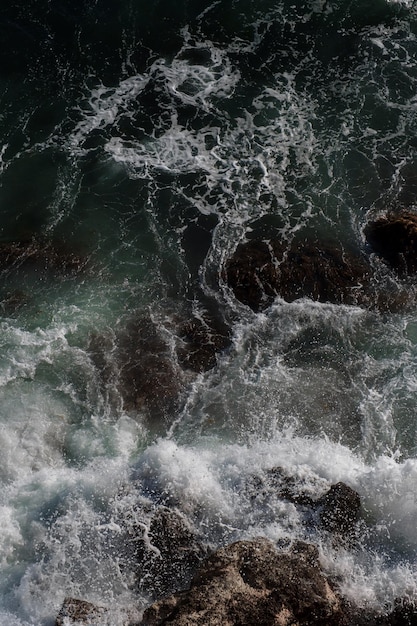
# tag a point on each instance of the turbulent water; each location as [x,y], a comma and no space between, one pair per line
[143,141]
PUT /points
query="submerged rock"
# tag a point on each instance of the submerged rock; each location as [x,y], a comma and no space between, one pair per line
[249,582]
[75,611]
[149,377]
[137,367]
[13,301]
[148,366]
[259,271]
[393,237]
[201,340]
[40,256]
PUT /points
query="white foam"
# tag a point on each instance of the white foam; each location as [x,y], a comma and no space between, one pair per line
[209,478]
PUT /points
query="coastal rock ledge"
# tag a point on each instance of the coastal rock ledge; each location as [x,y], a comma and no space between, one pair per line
[248,583]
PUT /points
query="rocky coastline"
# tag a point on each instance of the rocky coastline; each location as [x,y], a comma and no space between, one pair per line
[251,581]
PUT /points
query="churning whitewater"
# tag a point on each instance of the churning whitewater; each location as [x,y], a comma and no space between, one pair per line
[139,146]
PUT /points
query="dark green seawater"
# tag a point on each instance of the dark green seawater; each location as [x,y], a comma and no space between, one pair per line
[140,142]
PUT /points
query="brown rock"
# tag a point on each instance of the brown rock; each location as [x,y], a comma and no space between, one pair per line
[403,614]
[13,302]
[76,611]
[259,271]
[249,582]
[394,238]
[148,372]
[149,378]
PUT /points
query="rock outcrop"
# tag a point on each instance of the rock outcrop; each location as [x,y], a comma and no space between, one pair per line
[249,582]
[41,257]
[201,340]
[393,237]
[149,377]
[242,584]
[167,554]
[339,509]
[136,368]
[148,366]
[259,271]
[75,611]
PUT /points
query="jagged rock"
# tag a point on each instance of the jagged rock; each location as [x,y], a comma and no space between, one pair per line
[259,271]
[394,238]
[249,582]
[75,611]
[276,482]
[403,614]
[339,509]
[170,555]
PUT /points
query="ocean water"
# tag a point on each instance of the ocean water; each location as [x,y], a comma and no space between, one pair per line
[140,142]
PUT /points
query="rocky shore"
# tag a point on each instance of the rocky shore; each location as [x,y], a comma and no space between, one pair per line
[246,582]
[252,581]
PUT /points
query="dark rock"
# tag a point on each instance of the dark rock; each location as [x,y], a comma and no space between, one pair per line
[170,555]
[339,509]
[252,274]
[196,240]
[40,256]
[137,365]
[201,340]
[403,614]
[394,238]
[76,611]
[249,582]
[276,483]
[148,366]
[149,377]
[259,271]
[13,302]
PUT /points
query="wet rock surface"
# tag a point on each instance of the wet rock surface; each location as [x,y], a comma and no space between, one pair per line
[249,582]
[339,509]
[167,554]
[137,368]
[148,377]
[75,611]
[393,237]
[202,339]
[148,366]
[259,271]
[13,301]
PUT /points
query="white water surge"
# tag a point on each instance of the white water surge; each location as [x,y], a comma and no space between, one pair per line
[303,138]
